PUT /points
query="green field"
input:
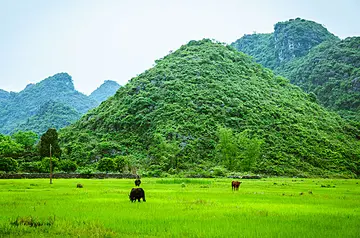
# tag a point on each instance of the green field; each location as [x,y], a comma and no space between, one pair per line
[180,208]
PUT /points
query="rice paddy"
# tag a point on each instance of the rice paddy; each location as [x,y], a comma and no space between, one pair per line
[176,207]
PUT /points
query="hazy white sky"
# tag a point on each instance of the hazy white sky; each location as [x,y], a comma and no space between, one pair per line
[97,40]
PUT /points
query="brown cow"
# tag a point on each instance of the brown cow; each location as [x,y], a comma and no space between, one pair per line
[235,185]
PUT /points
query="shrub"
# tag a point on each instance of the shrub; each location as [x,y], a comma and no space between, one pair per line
[68,166]
[85,170]
[106,165]
[45,164]
[120,162]
[219,171]
[31,167]
[8,164]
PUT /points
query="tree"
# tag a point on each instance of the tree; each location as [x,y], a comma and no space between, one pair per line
[120,162]
[227,149]
[31,167]
[238,151]
[249,150]
[8,164]
[106,165]
[25,138]
[164,153]
[9,148]
[45,164]
[50,137]
[68,166]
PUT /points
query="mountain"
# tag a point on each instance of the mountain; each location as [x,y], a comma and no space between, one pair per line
[55,94]
[312,58]
[51,114]
[4,96]
[168,119]
[291,39]
[106,90]
[331,71]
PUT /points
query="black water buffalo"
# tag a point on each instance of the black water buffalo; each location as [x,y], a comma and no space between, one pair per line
[137,182]
[235,185]
[79,185]
[137,194]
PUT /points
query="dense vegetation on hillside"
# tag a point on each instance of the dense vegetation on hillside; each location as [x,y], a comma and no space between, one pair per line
[332,71]
[314,59]
[291,39]
[107,89]
[260,46]
[33,108]
[50,115]
[201,107]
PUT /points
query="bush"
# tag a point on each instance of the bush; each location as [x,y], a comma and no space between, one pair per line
[45,164]
[106,165]
[86,170]
[8,164]
[219,171]
[120,162]
[68,166]
[31,167]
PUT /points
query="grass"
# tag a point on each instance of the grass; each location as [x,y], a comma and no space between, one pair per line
[180,208]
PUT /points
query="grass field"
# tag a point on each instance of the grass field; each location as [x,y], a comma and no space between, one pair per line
[180,208]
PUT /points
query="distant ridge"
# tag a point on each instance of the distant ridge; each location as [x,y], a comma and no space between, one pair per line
[23,110]
[107,89]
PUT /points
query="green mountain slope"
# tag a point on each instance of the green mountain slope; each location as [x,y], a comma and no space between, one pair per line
[260,46]
[332,71]
[4,96]
[312,58]
[168,118]
[50,115]
[106,90]
[290,39]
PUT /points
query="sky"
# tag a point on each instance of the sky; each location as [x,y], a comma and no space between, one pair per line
[98,40]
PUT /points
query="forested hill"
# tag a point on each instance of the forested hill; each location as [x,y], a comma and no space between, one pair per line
[290,39]
[26,106]
[208,105]
[332,71]
[312,58]
[107,89]
[51,114]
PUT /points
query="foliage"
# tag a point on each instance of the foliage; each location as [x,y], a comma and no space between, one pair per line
[8,164]
[238,152]
[106,165]
[49,138]
[45,164]
[260,46]
[290,39]
[9,147]
[164,153]
[314,59]
[121,163]
[31,167]
[332,72]
[167,118]
[67,166]
[50,115]
[25,138]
